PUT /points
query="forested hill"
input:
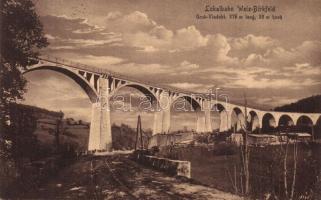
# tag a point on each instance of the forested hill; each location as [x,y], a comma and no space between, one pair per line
[33,111]
[307,105]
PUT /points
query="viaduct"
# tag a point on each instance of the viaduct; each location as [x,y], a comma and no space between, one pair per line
[100,85]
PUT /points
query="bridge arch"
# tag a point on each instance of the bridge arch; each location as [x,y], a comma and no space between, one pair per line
[196,106]
[237,119]
[223,122]
[268,123]
[304,124]
[317,129]
[141,88]
[94,141]
[128,100]
[285,121]
[218,107]
[304,120]
[184,106]
[81,81]
[254,121]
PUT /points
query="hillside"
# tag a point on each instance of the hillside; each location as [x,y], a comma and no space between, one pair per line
[124,137]
[34,111]
[42,125]
[307,105]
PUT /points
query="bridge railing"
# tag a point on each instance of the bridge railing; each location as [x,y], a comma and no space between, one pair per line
[72,64]
[85,67]
[76,65]
[80,66]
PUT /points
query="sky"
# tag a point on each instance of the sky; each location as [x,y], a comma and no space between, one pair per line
[273,62]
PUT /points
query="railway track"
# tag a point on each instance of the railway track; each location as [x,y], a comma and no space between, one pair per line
[149,184]
[118,181]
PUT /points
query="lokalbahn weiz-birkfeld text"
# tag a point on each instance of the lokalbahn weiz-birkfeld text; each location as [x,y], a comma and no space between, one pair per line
[240,8]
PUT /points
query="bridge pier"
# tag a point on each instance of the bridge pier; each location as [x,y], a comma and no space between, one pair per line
[200,122]
[100,128]
[207,112]
[203,122]
[225,123]
[157,127]
[162,116]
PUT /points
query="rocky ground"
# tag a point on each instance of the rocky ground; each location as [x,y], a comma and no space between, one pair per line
[118,177]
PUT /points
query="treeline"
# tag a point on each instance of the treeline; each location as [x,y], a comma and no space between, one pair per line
[36,111]
[21,128]
[22,152]
[307,105]
[124,137]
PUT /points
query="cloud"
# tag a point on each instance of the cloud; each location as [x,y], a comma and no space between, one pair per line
[185,65]
[215,52]
[274,101]
[145,42]
[90,42]
[66,27]
[255,60]
[133,22]
[49,37]
[219,48]
[304,69]
[258,78]
[265,63]
[307,52]
[55,91]
[141,70]
[186,85]
[188,38]
[252,81]
[74,33]
[138,30]
[252,42]
[61,47]
[95,61]
[161,39]
[60,43]
[133,44]
[58,83]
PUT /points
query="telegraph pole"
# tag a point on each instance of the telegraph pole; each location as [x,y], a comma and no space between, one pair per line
[139,134]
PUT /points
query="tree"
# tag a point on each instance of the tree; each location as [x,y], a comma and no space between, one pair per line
[21,37]
[245,151]
[244,157]
[23,124]
[289,195]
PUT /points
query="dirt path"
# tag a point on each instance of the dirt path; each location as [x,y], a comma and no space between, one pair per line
[117,177]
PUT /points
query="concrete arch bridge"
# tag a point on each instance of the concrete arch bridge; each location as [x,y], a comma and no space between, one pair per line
[100,85]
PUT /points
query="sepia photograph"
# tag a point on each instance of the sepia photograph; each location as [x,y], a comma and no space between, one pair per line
[160,99]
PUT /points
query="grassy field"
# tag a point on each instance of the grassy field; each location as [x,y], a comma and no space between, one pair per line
[266,168]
